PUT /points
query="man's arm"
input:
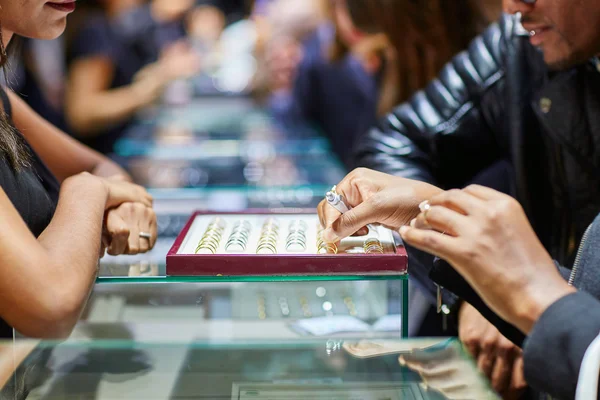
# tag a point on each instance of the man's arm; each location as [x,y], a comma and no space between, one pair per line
[449,131]
[554,350]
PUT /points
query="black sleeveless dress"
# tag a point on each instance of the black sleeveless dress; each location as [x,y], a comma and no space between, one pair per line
[32,190]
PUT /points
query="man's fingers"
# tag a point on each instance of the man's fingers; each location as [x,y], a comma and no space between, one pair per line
[486,362]
[518,375]
[484,193]
[489,346]
[443,246]
[472,345]
[459,201]
[442,219]
[502,372]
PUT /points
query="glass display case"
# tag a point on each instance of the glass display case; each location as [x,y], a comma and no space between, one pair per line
[226,155]
[188,368]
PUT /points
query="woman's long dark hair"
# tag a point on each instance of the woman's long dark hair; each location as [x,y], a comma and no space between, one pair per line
[425,33]
[12,144]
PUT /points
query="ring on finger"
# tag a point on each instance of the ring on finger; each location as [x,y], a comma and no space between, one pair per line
[145,235]
[425,207]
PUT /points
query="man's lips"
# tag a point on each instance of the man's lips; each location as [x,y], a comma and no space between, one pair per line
[537,32]
[68,6]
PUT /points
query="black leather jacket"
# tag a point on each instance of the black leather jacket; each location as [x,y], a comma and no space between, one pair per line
[498,101]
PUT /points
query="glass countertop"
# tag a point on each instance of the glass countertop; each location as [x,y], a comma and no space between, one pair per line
[275,370]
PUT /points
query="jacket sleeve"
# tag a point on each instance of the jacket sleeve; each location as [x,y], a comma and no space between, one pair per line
[449,131]
[554,350]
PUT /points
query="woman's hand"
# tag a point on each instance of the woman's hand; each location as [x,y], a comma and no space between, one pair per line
[178,61]
[376,198]
[488,239]
[120,191]
[123,226]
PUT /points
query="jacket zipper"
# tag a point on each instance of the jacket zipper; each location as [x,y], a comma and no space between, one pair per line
[578,257]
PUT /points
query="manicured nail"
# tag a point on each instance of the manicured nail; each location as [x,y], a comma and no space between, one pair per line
[424,205]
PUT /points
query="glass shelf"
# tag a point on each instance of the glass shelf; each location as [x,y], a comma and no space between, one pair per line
[184,369]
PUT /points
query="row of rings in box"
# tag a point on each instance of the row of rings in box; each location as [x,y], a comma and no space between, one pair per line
[212,236]
[238,240]
[267,244]
[296,240]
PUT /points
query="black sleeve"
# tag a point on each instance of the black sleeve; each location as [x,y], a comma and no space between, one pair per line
[423,267]
[94,39]
[554,350]
[443,274]
[449,131]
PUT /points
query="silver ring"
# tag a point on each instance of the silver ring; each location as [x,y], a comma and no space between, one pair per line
[146,235]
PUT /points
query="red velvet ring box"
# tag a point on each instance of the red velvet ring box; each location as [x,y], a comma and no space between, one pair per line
[184,258]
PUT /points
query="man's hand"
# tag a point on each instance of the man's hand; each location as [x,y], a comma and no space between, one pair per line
[376,198]
[123,227]
[489,241]
[497,357]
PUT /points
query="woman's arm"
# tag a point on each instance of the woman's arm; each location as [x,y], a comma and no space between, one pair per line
[92,106]
[64,155]
[44,283]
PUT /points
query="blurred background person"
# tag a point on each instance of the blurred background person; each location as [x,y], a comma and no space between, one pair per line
[372,55]
[37,73]
[282,26]
[122,55]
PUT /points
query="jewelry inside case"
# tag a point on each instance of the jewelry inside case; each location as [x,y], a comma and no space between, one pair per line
[276,234]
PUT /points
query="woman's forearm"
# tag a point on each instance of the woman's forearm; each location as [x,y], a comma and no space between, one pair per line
[91,113]
[107,168]
[70,245]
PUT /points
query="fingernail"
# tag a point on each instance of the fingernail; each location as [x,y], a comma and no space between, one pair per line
[423,205]
[329,236]
[413,223]
[403,230]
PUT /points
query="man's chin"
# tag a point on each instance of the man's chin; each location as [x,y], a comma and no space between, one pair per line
[563,63]
[559,65]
